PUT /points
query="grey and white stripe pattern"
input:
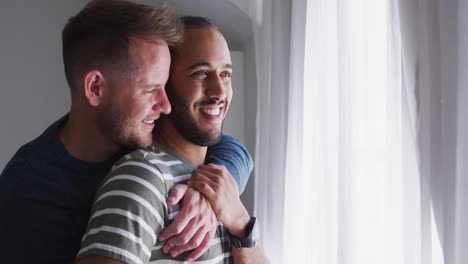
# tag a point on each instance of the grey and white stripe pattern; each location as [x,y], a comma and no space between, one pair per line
[130,210]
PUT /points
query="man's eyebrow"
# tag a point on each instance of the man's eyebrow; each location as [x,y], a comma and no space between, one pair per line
[207,64]
[199,64]
[150,85]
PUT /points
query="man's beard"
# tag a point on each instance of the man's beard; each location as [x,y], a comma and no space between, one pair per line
[114,124]
[186,125]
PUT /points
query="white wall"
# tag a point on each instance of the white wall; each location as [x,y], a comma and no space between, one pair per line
[234,122]
[33,90]
[242,5]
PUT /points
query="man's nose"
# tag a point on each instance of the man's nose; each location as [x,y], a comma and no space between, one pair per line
[216,89]
[161,103]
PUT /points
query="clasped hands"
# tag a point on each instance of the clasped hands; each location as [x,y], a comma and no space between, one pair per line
[211,194]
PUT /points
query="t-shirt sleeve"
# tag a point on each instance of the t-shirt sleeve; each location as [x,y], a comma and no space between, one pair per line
[234,156]
[128,212]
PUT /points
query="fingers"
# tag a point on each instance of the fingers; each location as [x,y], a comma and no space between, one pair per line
[204,245]
[194,243]
[183,238]
[176,194]
[192,235]
[181,220]
[205,182]
[216,173]
[190,226]
[212,181]
[204,188]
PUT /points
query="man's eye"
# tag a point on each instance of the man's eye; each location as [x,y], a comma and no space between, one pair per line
[226,74]
[200,74]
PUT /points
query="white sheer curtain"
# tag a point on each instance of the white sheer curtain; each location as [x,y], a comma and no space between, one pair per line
[360,171]
[272,45]
[339,175]
[461,216]
[442,95]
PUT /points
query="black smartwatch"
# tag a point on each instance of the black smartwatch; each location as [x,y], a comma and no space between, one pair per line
[248,241]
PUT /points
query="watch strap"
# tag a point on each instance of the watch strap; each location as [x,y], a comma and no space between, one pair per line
[248,241]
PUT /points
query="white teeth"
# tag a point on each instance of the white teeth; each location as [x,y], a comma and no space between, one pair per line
[211,111]
[149,122]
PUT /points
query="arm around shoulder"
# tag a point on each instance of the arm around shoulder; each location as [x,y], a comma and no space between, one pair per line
[235,157]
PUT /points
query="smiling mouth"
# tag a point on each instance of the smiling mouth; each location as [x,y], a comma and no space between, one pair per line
[148,122]
[213,115]
[211,111]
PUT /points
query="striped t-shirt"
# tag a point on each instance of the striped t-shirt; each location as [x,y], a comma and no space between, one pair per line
[130,210]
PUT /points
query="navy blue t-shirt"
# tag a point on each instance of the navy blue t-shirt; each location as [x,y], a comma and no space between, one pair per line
[46,196]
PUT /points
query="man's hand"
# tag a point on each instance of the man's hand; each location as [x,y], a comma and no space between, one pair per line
[193,227]
[215,182]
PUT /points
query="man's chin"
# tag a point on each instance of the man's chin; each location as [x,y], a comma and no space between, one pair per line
[209,140]
[138,143]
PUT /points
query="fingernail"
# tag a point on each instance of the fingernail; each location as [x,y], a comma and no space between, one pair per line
[161,238]
[165,249]
[171,200]
[175,253]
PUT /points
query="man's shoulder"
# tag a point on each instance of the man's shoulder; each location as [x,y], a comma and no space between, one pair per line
[39,147]
[143,156]
[135,180]
[27,153]
[154,164]
[140,162]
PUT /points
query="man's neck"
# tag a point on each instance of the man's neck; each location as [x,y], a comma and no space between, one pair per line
[83,140]
[167,136]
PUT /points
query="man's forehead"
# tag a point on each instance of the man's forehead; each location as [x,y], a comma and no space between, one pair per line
[200,38]
[203,45]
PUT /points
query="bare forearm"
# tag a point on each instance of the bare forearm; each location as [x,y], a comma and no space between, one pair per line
[253,255]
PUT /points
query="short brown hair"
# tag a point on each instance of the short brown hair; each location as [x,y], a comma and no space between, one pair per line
[98,36]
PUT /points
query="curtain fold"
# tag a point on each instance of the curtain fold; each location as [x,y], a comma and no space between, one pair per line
[441,92]
[271,37]
[461,238]
[360,131]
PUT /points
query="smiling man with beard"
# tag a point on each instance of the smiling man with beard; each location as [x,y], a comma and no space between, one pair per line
[200,92]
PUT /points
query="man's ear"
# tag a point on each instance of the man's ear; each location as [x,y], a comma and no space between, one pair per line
[94,87]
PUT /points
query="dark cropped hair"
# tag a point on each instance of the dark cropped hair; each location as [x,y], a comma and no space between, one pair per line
[191,22]
[196,21]
[98,36]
